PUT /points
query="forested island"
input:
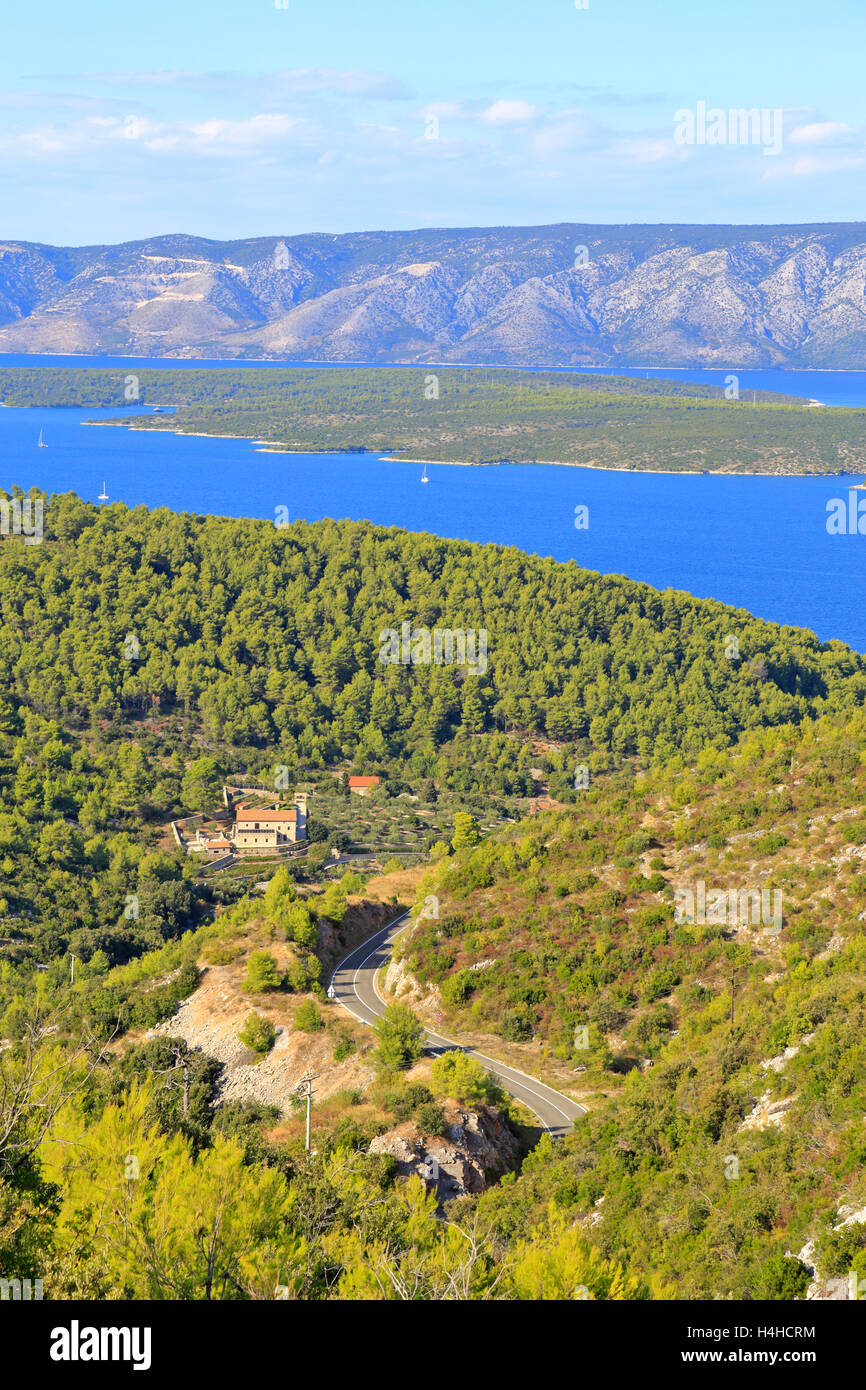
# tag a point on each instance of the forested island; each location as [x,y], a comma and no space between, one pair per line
[147,657]
[473,416]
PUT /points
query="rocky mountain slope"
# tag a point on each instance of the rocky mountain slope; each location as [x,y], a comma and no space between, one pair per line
[569,294]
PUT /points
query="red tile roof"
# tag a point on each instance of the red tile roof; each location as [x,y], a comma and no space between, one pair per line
[364,781]
[265,815]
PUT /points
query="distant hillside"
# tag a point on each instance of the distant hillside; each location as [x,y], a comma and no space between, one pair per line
[570,294]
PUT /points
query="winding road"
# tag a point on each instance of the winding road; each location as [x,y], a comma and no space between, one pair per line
[354,987]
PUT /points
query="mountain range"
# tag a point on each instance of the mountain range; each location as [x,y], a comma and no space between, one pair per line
[565,295]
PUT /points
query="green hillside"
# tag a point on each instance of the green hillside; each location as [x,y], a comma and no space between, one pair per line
[673,758]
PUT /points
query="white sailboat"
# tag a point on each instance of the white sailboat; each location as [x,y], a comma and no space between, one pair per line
[103,496]
[424,477]
[42,444]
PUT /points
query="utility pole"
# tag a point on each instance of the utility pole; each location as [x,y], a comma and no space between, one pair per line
[304,1089]
[733,973]
[71,968]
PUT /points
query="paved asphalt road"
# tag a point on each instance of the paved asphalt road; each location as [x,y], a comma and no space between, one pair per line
[354,986]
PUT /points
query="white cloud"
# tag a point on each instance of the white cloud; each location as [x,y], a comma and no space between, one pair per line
[509,113]
[822,133]
[256,130]
[444,110]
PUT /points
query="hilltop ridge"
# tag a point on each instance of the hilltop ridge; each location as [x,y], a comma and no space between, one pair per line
[571,294]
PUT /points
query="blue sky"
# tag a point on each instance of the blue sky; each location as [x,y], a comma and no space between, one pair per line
[238,118]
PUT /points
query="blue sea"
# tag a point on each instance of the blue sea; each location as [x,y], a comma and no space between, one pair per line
[758,543]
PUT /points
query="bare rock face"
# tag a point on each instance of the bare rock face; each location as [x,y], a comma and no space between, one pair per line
[210,1020]
[756,296]
[476,1145]
[842,1287]
[401,986]
[767,1113]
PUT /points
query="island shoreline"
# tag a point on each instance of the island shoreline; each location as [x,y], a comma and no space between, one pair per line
[465,463]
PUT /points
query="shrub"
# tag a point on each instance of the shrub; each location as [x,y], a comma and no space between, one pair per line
[406,1102]
[660,982]
[606,1016]
[781,1278]
[457,988]
[221,952]
[516,1025]
[307,1018]
[463,1077]
[838,1252]
[258,1034]
[303,973]
[768,844]
[452,925]
[399,1036]
[344,1045]
[430,1118]
[262,973]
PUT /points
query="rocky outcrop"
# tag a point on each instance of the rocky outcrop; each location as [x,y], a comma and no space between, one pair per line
[475,1146]
[778,1064]
[767,1113]
[667,295]
[400,985]
[841,1287]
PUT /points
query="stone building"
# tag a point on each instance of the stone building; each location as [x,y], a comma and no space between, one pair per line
[259,828]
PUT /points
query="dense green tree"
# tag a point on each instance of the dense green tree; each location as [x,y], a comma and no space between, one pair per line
[467,831]
[262,973]
[399,1035]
